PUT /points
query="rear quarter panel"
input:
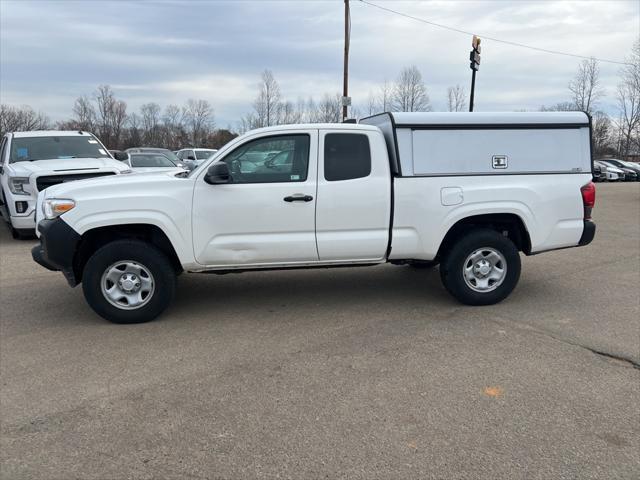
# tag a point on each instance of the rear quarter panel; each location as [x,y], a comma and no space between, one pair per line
[550,207]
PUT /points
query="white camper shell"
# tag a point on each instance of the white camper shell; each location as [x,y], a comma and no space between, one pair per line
[450,144]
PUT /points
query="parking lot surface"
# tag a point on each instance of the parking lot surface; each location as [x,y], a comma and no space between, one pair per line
[345,373]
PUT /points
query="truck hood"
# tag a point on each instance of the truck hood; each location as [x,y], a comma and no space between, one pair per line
[136,183]
[68,165]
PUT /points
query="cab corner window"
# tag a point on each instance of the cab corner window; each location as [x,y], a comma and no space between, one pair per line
[346,156]
[282,158]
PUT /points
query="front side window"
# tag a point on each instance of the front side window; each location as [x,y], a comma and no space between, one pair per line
[346,156]
[284,158]
[29,149]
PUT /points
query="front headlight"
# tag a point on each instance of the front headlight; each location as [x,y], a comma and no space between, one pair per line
[16,185]
[54,207]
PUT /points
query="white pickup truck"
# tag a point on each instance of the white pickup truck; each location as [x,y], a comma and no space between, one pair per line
[466,190]
[33,161]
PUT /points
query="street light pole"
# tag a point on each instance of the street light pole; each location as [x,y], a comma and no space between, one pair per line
[474,58]
[345,81]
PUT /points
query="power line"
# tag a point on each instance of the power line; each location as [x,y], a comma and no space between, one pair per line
[507,42]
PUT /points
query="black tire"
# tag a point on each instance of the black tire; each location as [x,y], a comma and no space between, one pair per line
[423,264]
[451,267]
[156,262]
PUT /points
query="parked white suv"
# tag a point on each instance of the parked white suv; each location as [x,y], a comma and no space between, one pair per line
[33,161]
[468,190]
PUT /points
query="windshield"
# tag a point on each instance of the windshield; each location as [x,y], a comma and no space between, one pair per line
[204,154]
[150,160]
[154,151]
[29,149]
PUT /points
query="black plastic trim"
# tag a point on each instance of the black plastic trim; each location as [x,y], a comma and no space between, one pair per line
[588,233]
[57,248]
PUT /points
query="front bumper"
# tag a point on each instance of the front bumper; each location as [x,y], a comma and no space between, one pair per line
[57,248]
[24,222]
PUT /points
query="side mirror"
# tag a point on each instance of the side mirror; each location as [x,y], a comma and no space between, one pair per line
[122,156]
[218,173]
[191,157]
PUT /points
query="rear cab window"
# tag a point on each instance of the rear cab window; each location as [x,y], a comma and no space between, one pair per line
[347,156]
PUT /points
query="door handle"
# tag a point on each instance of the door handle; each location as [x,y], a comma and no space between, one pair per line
[298,197]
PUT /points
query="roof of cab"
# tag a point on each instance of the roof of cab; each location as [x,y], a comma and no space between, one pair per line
[50,133]
[314,126]
[482,118]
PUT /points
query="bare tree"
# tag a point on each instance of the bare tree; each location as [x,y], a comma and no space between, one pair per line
[372,104]
[150,113]
[24,118]
[385,97]
[329,109]
[84,114]
[267,104]
[410,92]
[247,122]
[628,97]
[601,133]
[289,114]
[198,116]
[456,99]
[134,137]
[172,122]
[585,87]
[104,98]
[558,107]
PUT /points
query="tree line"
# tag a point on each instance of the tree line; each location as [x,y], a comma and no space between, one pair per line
[173,127]
[193,124]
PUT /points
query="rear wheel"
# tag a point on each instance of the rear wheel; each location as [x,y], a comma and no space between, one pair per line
[482,268]
[128,281]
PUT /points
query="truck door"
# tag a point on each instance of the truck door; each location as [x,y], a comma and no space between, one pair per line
[353,197]
[267,214]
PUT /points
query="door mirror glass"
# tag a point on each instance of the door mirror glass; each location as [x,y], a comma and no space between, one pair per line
[218,173]
[122,156]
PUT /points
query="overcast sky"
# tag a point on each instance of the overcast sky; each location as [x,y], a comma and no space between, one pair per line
[52,51]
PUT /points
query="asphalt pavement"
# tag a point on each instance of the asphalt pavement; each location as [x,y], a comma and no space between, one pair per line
[360,373]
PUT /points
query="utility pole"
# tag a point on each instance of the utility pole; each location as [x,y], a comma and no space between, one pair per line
[474,57]
[346,101]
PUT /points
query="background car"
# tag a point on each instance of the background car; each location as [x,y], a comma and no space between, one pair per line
[630,175]
[632,170]
[597,172]
[152,162]
[609,173]
[162,151]
[193,157]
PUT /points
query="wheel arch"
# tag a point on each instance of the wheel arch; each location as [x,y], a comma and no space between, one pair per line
[510,225]
[97,237]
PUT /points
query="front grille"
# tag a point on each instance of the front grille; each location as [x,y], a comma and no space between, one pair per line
[49,180]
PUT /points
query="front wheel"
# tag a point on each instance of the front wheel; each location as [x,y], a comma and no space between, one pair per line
[482,268]
[128,281]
